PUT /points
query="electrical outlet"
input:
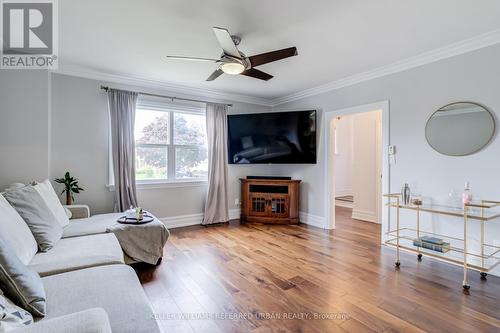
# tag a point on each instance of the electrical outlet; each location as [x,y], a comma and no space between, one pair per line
[237,202]
[392,150]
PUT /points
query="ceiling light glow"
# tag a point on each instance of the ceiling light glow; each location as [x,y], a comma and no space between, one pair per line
[232,68]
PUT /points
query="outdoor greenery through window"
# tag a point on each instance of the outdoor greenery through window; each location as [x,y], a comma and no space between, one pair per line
[170,145]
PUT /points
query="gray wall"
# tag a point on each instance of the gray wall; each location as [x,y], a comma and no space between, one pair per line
[414,95]
[37,140]
[24,131]
[80,144]
[78,141]
[80,138]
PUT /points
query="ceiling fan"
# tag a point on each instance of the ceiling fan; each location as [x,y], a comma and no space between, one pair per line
[234,62]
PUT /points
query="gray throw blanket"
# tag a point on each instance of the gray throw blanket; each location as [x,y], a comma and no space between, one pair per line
[142,242]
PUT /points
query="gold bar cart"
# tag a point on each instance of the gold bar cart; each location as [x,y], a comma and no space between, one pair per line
[485,260]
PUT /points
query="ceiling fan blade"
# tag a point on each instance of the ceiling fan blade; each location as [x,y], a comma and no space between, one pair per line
[192,58]
[252,72]
[268,57]
[226,42]
[215,74]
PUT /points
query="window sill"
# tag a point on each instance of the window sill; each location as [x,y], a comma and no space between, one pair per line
[148,185]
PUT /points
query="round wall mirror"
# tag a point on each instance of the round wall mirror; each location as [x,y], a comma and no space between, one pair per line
[460,129]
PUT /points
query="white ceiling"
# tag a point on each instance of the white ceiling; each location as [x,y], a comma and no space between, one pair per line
[335,38]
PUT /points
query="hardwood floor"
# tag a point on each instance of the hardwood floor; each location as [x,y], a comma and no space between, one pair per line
[250,271]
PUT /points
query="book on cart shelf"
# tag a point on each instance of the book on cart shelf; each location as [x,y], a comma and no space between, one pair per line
[433,240]
[421,242]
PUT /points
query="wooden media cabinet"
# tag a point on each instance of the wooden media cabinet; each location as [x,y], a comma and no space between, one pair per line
[270,200]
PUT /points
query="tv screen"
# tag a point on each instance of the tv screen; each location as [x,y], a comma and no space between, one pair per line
[277,137]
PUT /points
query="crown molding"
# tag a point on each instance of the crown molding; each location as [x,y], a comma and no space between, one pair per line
[182,91]
[451,50]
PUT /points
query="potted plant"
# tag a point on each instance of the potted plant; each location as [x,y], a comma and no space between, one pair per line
[70,187]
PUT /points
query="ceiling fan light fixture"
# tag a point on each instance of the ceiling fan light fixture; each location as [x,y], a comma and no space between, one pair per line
[233,68]
[233,62]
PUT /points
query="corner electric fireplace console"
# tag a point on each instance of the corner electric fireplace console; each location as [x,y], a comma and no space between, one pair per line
[269,200]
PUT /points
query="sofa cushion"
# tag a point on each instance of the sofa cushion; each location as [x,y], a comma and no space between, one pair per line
[114,288]
[97,224]
[48,194]
[71,254]
[37,215]
[19,283]
[13,228]
[89,321]
[12,316]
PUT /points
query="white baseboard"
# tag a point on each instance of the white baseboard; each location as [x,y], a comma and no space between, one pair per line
[195,219]
[364,216]
[182,220]
[313,220]
[342,203]
[343,192]
[192,219]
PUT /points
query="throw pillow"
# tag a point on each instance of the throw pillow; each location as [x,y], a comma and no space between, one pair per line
[37,215]
[13,228]
[19,283]
[48,194]
[12,316]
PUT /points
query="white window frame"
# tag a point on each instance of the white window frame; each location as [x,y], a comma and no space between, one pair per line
[171,147]
[170,182]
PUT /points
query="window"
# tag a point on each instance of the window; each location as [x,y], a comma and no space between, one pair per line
[170,145]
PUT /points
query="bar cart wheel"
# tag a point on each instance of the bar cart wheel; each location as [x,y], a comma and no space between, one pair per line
[483,275]
[397,264]
[419,257]
[466,287]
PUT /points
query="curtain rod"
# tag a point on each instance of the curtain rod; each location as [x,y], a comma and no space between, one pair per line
[169,97]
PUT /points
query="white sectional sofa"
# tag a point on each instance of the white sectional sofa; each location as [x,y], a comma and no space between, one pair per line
[85,224]
[88,288]
[113,288]
[105,298]
[75,253]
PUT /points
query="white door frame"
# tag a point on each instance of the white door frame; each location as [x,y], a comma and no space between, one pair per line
[329,157]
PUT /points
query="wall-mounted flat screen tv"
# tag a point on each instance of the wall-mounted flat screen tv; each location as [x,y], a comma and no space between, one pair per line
[272,138]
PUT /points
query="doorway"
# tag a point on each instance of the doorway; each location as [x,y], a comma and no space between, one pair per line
[357,170]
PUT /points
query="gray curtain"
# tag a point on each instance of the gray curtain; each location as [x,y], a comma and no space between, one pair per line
[122,114]
[216,206]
